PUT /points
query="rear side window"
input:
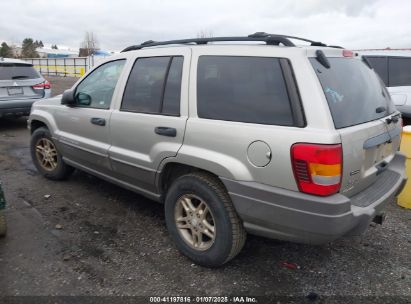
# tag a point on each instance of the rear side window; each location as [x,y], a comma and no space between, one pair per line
[353,91]
[154,86]
[15,71]
[399,71]
[172,91]
[380,65]
[244,89]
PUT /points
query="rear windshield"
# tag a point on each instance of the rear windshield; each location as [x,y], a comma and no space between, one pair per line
[354,92]
[15,71]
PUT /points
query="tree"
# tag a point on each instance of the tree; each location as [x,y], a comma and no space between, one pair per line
[54,47]
[89,44]
[5,51]
[38,44]
[29,49]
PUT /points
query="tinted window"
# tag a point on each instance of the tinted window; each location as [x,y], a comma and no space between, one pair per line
[15,71]
[96,91]
[144,88]
[353,91]
[171,102]
[380,65]
[245,89]
[400,71]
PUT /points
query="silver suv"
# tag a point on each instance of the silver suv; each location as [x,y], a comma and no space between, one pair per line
[286,142]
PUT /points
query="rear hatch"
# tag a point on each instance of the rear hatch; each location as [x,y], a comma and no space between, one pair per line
[17,81]
[365,117]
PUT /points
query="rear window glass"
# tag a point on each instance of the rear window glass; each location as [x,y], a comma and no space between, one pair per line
[380,66]
[353,91]
[244,89]
[15,71]
[400,71]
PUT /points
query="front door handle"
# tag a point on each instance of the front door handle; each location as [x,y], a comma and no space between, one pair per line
[98,121]
[166,131]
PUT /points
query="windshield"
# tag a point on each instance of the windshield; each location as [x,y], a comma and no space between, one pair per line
[15,71]
[354,92]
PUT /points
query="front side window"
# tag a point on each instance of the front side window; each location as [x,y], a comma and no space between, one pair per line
[96,91]
[154,86]
[399,71]
[243,89]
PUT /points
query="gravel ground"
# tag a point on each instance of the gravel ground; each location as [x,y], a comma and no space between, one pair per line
[59,84]
[85,236]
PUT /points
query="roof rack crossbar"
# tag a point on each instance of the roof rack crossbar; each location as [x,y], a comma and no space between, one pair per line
[270,39]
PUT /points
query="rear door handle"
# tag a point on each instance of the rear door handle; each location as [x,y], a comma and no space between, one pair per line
[98,121]
[166,131]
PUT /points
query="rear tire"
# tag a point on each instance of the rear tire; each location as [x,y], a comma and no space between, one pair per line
[202,220]
[46,157]
[3,224]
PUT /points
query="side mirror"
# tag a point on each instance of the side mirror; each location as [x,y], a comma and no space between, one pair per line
[68,98]
[83,99]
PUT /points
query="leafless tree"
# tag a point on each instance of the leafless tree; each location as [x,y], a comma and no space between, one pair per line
[89,44]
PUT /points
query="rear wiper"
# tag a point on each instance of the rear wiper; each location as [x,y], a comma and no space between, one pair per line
[394,119]
[19,77]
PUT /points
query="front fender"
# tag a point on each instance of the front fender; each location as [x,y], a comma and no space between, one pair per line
[44,117]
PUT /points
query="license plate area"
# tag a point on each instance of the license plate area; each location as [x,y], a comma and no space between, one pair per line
[14,91]
[384,151]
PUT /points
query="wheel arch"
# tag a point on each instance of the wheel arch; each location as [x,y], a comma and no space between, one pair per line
[172,168]
[37,121]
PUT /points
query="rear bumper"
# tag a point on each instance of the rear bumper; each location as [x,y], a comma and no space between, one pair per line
[11,108]
[13,112]
[293,216]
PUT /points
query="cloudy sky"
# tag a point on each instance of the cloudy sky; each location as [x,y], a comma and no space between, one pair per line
[119,23]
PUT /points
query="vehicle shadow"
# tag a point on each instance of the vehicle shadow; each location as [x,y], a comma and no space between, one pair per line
[12,124]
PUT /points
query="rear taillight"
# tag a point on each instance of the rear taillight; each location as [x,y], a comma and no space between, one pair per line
[44,85]
[317,168]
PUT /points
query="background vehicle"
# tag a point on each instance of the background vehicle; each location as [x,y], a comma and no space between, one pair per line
[394,68]
[20,86]
[233,138]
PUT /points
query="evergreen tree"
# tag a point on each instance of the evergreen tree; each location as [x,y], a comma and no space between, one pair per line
[29,49]
[5,51]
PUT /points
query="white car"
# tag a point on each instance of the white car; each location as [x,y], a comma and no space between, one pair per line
[394,68]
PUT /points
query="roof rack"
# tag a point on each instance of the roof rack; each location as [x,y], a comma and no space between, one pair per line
[270,39]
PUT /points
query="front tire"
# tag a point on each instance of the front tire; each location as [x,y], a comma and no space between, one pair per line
[202,220]
[46,157]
